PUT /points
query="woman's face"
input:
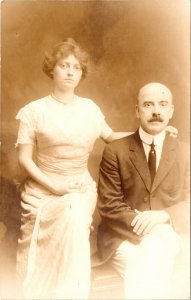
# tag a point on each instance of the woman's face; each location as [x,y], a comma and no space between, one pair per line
[67,72]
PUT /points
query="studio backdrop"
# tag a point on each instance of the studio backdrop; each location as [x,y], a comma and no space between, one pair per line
[131,43]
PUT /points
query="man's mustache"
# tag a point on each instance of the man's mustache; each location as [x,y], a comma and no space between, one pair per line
[156,119]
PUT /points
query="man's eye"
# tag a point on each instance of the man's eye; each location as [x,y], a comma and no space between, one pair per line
[147,104]
[163,103]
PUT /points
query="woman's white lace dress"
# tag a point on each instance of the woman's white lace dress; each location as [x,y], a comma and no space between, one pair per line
[53,258]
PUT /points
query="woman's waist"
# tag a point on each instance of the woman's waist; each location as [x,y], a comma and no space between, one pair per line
[81,175]
[63,167]
[83,178]
[33,192]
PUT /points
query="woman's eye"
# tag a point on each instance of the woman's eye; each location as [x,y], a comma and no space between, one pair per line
[77,67]
[64,66]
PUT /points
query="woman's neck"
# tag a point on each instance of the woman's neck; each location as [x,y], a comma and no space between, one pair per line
[63,96]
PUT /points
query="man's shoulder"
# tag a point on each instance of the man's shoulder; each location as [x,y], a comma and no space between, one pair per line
[121,143]
[183,147]
[182,143]
[180,146]
[178,142]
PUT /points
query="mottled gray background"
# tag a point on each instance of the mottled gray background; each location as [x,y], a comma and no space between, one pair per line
[131,42]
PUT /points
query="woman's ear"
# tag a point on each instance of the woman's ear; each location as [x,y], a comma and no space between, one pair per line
[52,74]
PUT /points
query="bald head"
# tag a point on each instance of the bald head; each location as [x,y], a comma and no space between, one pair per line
[154,107]
[155,88]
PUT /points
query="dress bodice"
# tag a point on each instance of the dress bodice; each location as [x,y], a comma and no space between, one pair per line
[64,134]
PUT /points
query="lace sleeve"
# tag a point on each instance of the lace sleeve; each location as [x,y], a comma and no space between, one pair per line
[26,132]
[105,130]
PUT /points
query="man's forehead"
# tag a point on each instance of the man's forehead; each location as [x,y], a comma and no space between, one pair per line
[155,89]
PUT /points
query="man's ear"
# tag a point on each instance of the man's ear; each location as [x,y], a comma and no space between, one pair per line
[137,110]
[172,111]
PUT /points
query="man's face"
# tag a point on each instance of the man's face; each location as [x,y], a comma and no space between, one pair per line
[154,108]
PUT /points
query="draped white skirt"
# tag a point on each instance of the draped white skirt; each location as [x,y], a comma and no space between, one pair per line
[53,258]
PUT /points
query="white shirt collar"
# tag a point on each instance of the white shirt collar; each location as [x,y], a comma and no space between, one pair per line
[148,138]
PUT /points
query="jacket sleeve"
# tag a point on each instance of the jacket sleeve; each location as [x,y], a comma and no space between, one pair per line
[116,214]
[180,212]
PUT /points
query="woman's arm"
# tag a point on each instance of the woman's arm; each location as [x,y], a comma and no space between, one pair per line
[171,130]
[116,135]
[26,161]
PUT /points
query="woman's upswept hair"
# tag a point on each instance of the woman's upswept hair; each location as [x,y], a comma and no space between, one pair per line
[61,50]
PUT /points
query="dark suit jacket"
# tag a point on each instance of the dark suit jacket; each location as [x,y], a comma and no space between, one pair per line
[125,185]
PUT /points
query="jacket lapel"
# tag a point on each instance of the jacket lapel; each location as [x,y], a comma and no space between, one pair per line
[138,158]
[166,161]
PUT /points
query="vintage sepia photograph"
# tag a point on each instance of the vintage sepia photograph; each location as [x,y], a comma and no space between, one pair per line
[95,149]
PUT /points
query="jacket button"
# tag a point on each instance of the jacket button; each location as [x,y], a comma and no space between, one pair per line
[145,199]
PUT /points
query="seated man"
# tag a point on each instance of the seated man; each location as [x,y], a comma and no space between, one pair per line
[144,198]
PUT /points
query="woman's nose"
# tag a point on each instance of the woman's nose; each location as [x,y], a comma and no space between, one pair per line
[70,70]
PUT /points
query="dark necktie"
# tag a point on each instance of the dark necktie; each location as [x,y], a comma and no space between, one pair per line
[152,161]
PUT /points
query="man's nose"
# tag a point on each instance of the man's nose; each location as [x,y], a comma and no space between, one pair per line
[156,109]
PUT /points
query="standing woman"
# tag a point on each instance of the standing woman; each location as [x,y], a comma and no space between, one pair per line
[56,135]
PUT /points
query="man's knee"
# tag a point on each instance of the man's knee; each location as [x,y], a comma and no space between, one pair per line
[125,256]
[164,237]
